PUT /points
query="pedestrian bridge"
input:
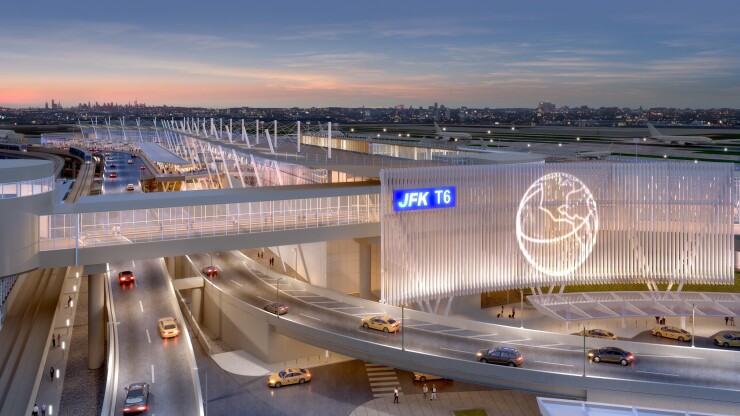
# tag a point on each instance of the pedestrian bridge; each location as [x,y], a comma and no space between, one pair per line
[135,226]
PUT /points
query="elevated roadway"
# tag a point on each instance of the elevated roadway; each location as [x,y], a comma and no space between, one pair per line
[166,364]
[553,363]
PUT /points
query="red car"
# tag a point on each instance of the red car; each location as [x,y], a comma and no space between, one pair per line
[125,276]
[210,271]
[133,154]
[142,168]
[113,175]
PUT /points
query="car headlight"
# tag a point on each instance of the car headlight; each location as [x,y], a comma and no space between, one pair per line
[479,354]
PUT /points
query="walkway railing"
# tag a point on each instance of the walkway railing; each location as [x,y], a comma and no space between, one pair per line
[95,229]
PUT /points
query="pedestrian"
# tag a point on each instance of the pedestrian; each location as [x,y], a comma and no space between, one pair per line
[434,392]
[43,410]
[59,339]
[53,341]
[51,374]
[727,319]
[513,312]
[424,390]
[69,302]
[732,320]
[502,310]
[35,411]
[395,395]
[657,320]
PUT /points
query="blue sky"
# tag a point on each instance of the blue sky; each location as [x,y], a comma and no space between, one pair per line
[331,53]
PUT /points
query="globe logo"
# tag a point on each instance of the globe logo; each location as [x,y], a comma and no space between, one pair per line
[557,223]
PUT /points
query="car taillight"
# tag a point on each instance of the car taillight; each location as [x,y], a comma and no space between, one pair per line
[631,357]
[141,408]
[519,358]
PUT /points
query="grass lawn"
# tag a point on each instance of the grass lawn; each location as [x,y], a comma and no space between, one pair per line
[471,412]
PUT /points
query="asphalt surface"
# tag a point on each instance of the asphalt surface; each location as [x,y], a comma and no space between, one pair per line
[144,355]
[127,174]
[332,314]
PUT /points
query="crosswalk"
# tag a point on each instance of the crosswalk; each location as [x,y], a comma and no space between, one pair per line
[382,380]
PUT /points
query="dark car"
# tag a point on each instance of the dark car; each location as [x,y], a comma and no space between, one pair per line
[500,355]
[276,308]
[113,165]
[210,271]
[611,355]
[137,398]
[126,276]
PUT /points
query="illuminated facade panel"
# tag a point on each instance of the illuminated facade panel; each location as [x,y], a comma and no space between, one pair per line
[516,226]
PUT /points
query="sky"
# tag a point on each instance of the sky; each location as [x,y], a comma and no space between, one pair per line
[372,53]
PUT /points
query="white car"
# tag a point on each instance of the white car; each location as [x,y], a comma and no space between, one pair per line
[130,162]
[130,187]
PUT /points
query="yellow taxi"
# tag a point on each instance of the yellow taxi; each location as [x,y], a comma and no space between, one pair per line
[381,323]
[289,376]
[597,333]
[424,377]
[168,327]
[665,331]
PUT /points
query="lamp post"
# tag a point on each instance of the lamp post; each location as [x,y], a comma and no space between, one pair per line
[402,330]
[585,356]
[693,320]
[277,296]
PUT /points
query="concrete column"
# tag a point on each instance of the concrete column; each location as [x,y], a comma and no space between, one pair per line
[365,270]
[196,303]
[170,262]
[683,322]
[95,320]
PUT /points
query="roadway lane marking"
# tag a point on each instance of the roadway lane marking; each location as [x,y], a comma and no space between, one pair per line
[452,349]
[671,356]
[480,336]
[345,307]
[368,314]
[661,374]
[308,316]
[268,301]
[514,341]
[546,362]
[141,305]
[134,263]
[237,282]
[147,336]
[219,267]
[152,373]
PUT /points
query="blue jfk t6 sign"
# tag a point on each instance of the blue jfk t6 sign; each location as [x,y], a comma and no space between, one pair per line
[426,198]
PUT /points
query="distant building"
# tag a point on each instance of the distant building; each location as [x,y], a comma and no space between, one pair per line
[546,107]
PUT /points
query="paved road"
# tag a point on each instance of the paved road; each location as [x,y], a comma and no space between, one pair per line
[258,289]
[127,174]
[144,356]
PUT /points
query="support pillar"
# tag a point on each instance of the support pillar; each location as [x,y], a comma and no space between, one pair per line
[365,270]
[170,262]
[95,320]
[683,322]
[196,303]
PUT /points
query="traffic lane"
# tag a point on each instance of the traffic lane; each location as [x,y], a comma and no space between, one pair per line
[126,173]
[145,356]
[560,358]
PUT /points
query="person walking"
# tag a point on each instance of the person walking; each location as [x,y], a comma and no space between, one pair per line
[69,301]
[35,411]
[53,341]
[395,395]
[424,390]
[732,321]
[51,374]
[513,312]
[43,409]
[727,320]
[434,392]
[59,339]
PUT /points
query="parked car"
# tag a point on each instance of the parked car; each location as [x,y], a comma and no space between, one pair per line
[598,333]
[611,355]
[381,323]
[276,308]
[289,376]
[126,276]
[671,332]
[168,327]
[210,271]
[424,377]
[500,355]
[137,398]
[730,339]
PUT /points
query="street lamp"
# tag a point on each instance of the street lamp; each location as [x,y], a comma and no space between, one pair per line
[693,320]
[277,296]
[585,356]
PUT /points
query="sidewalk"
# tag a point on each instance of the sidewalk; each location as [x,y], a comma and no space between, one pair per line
[494,402]
[50,392]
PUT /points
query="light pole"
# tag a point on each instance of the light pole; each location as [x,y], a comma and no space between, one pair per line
[693,320]
[277,296]
[585,356]
[210,258]
[402,330]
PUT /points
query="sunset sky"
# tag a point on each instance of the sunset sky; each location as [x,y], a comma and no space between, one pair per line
[381,53]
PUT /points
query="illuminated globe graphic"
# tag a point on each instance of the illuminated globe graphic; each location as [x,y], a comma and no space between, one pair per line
[557,223]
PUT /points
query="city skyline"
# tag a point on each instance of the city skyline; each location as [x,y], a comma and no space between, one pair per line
[330,55]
